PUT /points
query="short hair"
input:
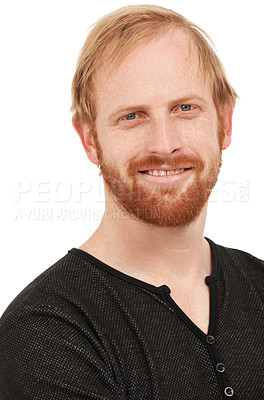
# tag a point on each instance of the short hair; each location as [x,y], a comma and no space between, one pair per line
[116,34]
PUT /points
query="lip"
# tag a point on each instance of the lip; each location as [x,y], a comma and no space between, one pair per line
[166,180]
[164,168]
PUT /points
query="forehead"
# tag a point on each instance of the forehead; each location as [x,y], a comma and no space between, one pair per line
[167,65]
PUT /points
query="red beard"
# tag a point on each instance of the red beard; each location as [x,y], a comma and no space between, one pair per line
[169,206]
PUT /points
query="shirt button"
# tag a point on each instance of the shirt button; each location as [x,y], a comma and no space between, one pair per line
[220,368]
[229,392]
[210,339]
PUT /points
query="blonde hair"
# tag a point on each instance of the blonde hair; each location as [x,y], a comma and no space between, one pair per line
[115,35]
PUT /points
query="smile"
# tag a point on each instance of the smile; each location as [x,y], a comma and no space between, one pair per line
[166,177]
[161,172]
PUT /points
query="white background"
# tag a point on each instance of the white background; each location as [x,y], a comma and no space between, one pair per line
[41,153]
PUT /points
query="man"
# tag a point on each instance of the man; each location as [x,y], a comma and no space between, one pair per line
[146,308]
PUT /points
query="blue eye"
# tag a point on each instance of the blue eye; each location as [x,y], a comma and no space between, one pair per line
[130,116]
[186,107]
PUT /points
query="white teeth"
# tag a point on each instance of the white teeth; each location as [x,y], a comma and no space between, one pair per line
[171,172]
[160,172]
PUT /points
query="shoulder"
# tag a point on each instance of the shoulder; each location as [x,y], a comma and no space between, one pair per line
[57,301]
[237,255]
[38,291]
[50,332]
[68,277]
[242,264]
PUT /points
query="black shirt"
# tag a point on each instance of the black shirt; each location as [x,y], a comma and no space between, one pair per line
[83,330]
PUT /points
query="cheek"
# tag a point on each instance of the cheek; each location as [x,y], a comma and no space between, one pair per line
[202,133]
[205,140]
[211,131]
[114,153]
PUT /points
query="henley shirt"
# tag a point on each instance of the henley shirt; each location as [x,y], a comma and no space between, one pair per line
[83,330]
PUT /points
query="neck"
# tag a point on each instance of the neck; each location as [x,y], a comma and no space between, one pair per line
[151,253]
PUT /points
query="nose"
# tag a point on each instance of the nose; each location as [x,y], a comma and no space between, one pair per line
[163,137]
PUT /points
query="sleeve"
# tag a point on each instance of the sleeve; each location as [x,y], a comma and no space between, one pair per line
[46,354]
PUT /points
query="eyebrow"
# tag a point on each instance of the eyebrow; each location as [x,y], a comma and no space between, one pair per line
[132,108]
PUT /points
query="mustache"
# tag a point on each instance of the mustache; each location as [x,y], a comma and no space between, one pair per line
[154,162]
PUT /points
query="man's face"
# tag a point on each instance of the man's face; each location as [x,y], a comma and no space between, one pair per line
[158,132]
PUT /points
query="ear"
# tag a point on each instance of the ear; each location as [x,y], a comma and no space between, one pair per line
[85,133]
[227,125]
